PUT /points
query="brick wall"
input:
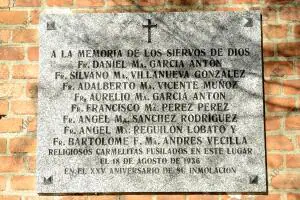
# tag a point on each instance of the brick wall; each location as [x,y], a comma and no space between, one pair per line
[19,76]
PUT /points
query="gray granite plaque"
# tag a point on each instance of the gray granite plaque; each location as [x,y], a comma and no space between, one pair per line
[152,102]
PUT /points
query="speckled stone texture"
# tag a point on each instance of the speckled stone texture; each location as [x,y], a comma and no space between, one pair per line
[190,30]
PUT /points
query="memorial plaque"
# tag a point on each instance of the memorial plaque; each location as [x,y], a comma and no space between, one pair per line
[151,102]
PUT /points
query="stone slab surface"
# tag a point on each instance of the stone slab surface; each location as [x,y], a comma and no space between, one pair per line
[152,102]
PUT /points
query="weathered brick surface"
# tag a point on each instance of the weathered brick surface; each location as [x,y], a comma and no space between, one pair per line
[33,53]
[120,3]
[292,122]
[278,104]
[269,197]
[292,87]
[275,160]
[23,182]
[3,145]
[10,125]
[63,3]
[272,123]
[150,2]
[293,161]
[286,181]
[22,145]
[25,71]
[25,36]
[272,87]
[4,72]
[279,142]
[4,3]
[278,68]
[13,17]
[19,56]
[90,3]
[11,53]
[5,36]
[11,164]
[170,197]
[28,3]
[275,31]
[3,107]
[10,197]
[23,107]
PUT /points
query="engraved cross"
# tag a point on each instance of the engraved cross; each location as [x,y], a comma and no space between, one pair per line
[149,26]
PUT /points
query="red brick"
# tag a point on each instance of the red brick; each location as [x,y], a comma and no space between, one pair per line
[11,164]
[228,9]
[3,107]
[272,87]
[60,2]
[203,197]
[269,14]
[278,68]
[4,3]
[9,90]
[23,182]
[245,1]
[103,197]
[22,145]
[10,125]
[288,49]
[13,17]
[25,35]
[2,183]
[150,2]
[11,53]
[297,31]
[279,142]
[28,3]
[25,71]
[292,122]
[31,89]
[268,49]
[291,87]
[170,197]
[90,3]
[3,72]
[275,31]
[290,13]
[74,198]
[31,163]
[293,161]
[297,68]
[39,198]
[293,196]
[119,2]
[31,125]
[272,123]
[268,197]
[279,1]
[3,145]
[33,53]
[213,2]
[275,161]
[4,36]
[34,16]
[9,197]
[183,2]
[137,197]
[286,181]
[23,107]
[280,104]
